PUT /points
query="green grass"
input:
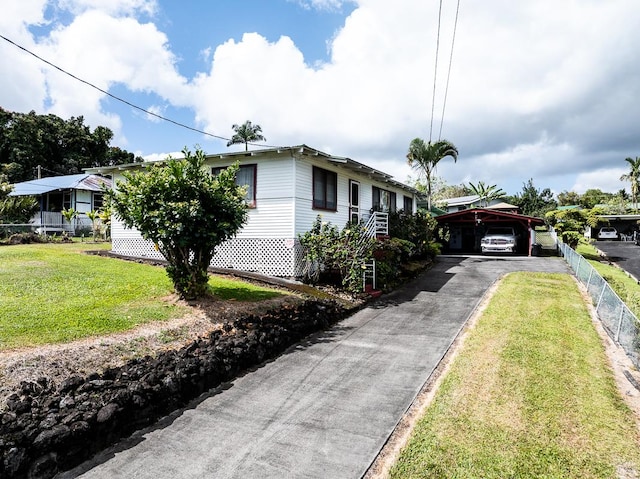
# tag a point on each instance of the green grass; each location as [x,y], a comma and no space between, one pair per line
[233,289]
[52,293]
[606,270]
[624,285]
[529,396]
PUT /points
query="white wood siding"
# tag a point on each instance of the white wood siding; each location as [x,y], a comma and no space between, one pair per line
[305,214]
[273,215]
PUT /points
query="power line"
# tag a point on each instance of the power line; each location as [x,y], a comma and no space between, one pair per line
[446,90]
[435,72]
[126,102]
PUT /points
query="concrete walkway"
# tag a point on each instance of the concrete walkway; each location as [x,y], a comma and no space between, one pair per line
[325,408]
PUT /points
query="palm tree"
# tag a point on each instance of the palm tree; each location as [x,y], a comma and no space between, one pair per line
[634,178]
[424,157]
[486,192]
[246,133]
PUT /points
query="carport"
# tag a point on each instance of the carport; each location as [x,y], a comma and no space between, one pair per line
[467,227]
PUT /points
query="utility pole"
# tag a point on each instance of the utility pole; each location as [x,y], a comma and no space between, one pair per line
[39,172]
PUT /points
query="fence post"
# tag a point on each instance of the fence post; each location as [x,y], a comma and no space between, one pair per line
[604,285]
[589,278]
[578,266]
[619,323]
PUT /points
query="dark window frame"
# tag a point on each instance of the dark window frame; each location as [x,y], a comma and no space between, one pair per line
[407,201]
[376,196]
[324,199]
[251,202]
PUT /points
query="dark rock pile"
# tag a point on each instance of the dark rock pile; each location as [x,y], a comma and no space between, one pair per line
[46,428]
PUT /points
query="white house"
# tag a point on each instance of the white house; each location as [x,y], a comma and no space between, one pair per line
[82,192]
[287,189]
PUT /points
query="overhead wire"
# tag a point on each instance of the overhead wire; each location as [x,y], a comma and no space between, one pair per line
[446,90]
[122,100]
[435,73]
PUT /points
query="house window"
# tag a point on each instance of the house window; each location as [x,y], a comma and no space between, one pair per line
[98,201]
[407,205]
[66,199]
[384,200]
[325,189]
[246,176]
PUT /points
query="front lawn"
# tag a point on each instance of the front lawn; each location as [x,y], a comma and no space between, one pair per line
[530,395]
[52,293]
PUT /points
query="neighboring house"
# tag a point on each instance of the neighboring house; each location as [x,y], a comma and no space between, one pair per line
[504,207]
[82,192]
[461,203]
[287,189]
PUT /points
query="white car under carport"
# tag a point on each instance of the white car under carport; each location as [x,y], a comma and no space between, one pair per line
[608,233]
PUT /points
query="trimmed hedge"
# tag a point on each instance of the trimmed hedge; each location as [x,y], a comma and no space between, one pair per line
[47,428]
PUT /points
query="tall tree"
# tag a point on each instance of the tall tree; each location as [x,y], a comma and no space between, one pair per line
[533,201]
[246,133]
[568,198]
[633,177]
[185,211]
[487,193]
[425,156]
[594,196]
[59,146]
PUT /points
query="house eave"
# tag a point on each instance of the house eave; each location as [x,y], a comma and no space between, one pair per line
[304,150]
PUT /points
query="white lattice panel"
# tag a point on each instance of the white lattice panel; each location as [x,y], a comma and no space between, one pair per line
[269,256]
[135,247]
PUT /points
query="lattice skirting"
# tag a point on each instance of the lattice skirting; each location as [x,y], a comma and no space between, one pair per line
[270,256]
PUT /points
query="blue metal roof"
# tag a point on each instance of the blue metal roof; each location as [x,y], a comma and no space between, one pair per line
[82,181]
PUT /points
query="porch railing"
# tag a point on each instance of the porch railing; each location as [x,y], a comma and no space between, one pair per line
[53,221]
[377,224]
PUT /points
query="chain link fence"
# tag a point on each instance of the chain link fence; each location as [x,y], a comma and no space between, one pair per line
[618,320]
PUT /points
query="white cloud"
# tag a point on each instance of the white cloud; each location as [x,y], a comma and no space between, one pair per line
[552,97]
[163,156]
[112,7]
[605,179]
[104,51]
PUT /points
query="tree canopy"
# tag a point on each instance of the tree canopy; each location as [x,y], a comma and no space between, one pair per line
[533,201]
[425,156]
[185,211]
[633,177]
[64,147]
[487,193]
[246,133]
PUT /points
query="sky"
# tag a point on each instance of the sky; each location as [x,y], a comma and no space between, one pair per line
[547,90]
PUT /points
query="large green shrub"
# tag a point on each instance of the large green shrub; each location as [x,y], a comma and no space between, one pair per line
[419,228]
[185,211]
[331,253]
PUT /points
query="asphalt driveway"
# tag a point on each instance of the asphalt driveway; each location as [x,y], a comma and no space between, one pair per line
[625,254]
[326,407]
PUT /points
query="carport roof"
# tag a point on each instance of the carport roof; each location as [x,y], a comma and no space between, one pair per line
[487,216]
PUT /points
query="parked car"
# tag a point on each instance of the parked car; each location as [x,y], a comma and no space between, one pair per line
[608,233]
[499,239]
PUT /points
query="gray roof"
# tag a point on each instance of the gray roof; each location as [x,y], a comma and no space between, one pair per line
[347,163]
[82,181]
[461,200]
